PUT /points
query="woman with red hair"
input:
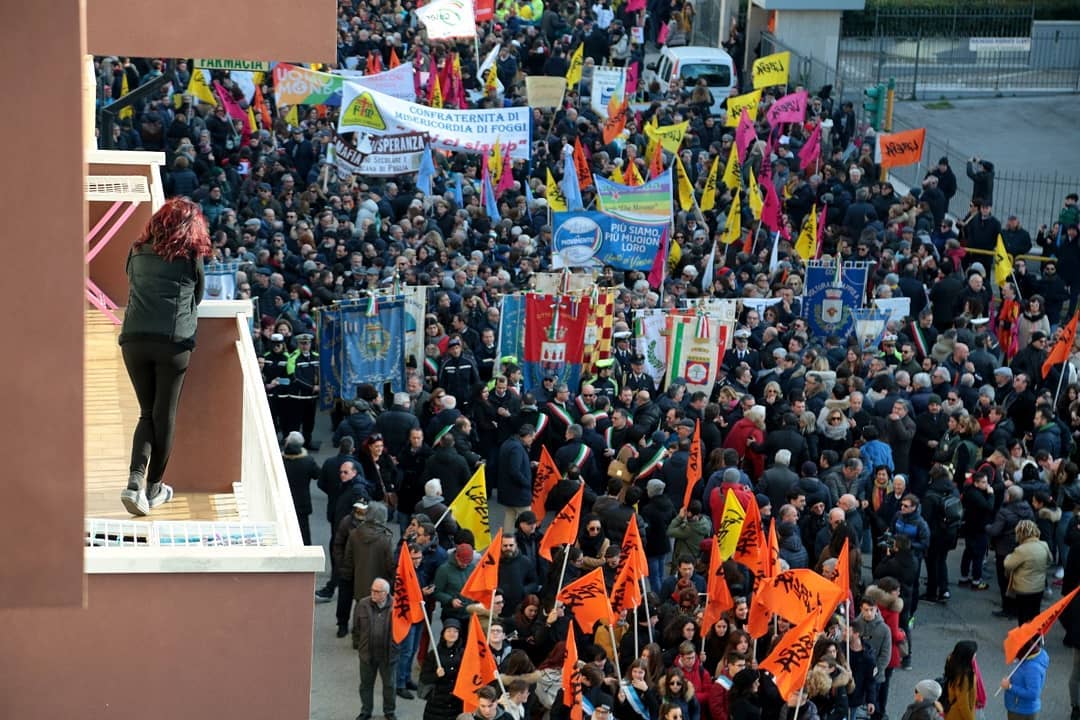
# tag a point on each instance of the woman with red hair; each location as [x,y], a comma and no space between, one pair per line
[165,277]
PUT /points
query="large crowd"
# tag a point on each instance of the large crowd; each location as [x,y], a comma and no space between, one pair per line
[953,434]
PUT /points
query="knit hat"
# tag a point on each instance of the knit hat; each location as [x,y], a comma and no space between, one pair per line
[655,487]
[928,689]
[763,501]
[464,553]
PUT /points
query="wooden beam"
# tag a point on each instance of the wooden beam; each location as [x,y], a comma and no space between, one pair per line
[268,30]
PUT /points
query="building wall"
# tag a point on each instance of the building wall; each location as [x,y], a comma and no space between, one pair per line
[814,33]
[164,646]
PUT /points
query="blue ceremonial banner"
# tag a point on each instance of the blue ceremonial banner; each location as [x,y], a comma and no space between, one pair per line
[830,298]
[590,239]
[869,327]
[329,329]
[373,348]
[512,327]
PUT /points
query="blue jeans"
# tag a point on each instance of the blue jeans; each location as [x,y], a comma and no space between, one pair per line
[656,573]
[408,652]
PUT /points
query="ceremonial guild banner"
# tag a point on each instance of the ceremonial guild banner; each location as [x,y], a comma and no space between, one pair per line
[588,239]
[373,347]
[511,340]
[641,202]
[554,338]
[830,297]
[397,82]
[651,341]
[695,349]
[598,333]
[383,156]
[329,329]
[474,131]
[415,298]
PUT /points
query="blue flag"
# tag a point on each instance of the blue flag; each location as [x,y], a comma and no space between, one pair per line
[570,186]
[427,171]
[458,198]
[491,205]
[373,345]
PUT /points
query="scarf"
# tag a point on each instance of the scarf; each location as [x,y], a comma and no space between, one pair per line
[881,489]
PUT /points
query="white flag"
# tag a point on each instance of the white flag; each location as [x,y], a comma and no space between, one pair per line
[448,19]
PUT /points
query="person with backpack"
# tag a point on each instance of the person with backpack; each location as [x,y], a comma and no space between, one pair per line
[943,511]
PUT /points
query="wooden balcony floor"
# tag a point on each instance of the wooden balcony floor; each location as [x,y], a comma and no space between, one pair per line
[110,415]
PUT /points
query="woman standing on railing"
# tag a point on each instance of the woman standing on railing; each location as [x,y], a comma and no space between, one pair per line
[165,276]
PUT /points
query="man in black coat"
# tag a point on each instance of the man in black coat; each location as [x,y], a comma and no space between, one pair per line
[396,423]
[447,464]
[787,438]
[946,180]
[1019,405]
[517,575]
[944,295]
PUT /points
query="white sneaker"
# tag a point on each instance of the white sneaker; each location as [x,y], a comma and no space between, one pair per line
[1059,573]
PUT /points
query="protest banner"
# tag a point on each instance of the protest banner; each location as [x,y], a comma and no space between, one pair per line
[472,131]
[545,92]
[588,239]
[373,345]
[692,351]
[395,82]
[295,85]
[635,202]
[444,19]
[605,82]
[902,148]
[651,341]
[381,156]
[772,70]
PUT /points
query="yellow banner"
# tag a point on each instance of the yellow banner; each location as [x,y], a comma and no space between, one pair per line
[771,70]
[670,136]
[737,104]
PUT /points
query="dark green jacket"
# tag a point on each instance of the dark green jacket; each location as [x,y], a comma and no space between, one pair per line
[163,299]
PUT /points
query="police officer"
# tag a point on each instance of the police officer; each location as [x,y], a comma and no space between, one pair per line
[303,369]
[605,384]
[276,379]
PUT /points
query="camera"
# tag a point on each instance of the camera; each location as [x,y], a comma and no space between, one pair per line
[887,542]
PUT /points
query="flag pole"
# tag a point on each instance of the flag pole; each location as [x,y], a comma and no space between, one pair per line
[491,620]
[614,651]
[442,517]
[562,573]
[648,615]
[1012,672]
[434,642]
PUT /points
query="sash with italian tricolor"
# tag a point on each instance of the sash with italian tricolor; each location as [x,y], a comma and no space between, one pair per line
[692,351]
[561,413]
[654,463]
[919,339]
[582,456]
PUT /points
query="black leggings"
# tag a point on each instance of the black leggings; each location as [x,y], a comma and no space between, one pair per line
[157,372]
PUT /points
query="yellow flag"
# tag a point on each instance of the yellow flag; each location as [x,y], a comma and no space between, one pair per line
[806,245]
[556,199]
[674,255]
[198,89]
[732,174]
[708,196]
[686,188]
[735,106]
[577,61]
[753,193]
[733,231]
[772,70]
[654,122]
[293,116]
[1003,267]
[491,80]
[470,509]
[670,136]
[251,120]
[495,163]
[436,94]
[731,522]
[127,112]
[617,176]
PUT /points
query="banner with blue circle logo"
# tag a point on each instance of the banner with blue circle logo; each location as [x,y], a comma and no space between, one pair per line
[592,239]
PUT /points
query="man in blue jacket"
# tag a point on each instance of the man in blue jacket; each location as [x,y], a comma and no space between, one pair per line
[515,475]
[1023,691]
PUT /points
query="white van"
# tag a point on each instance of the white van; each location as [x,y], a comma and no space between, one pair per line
[690,63]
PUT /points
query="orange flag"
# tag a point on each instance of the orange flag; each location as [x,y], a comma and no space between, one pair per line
[656,162]
[586,601]
[843,571]
[616,119]
[902,148]
[794,594]
[477,666]
[260,106]
[626,592]
[581,165]
[757,623]
[374,63]
[632,176]
[1063,347]
[571,678]
[547,477]
[752,550]
[789,662]
[564,528]
[408,598]
[693,464]
[1019,640]
[632,549]
[719,595]
[772,558]
[485,576]
[394,59]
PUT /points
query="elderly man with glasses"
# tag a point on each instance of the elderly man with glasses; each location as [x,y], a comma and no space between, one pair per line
[375,646]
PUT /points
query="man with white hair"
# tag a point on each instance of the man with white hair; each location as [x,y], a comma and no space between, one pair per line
[375,646]
[778,480]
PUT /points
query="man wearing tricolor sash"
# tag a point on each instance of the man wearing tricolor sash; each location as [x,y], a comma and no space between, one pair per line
[575,453]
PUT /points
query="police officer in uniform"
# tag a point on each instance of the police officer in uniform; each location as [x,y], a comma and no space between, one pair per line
[622,352]
[637,379]
[303,370]
[276,379]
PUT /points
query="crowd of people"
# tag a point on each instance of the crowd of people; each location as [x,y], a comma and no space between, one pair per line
[953,431]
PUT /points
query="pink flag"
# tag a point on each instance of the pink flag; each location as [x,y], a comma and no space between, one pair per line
[744,135]
[770,207]
[766,158]
[635,5]
[631,79]
[233,108]
[661,37]
[506,177]
[656,273]
[811,151]
[788,109]
[416,73]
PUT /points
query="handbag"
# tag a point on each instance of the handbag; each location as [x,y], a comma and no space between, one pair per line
[618,469]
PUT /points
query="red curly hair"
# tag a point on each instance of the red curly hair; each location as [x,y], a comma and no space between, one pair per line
[178,229]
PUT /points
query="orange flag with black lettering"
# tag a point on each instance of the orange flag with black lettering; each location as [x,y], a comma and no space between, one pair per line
[260,107]
[571,678]
[902,148]
[581,165]
[1063,347]
[394,59]
[547,477]
[693,464]
[408,598]
[656,162]
[626,592]
[564,528]
[794,594]
[789,662]
[485,576]
[586,601]
[752,549]
[1019,639]
[477,666]
[632,549]
[719,595]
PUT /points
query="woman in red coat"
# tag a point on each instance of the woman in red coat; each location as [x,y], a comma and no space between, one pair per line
[747,428]
[886,595]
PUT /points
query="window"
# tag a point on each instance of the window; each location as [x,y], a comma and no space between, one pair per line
[715,75]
